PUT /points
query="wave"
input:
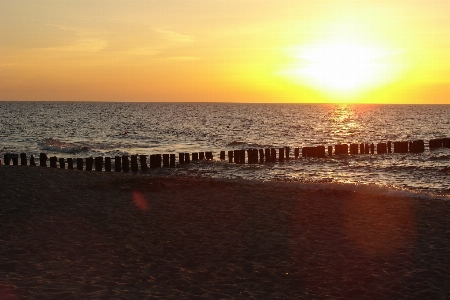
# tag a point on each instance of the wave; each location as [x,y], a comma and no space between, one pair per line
[56,145]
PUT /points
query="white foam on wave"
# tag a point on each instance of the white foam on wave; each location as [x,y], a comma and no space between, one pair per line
[56,145]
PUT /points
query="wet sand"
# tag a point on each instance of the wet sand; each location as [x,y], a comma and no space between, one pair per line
[70,234]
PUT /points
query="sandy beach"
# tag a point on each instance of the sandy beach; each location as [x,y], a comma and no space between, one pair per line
[67,234]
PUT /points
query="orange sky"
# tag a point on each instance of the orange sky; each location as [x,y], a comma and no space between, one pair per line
[234,51]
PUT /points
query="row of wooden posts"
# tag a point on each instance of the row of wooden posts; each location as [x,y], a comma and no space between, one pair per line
[122,163]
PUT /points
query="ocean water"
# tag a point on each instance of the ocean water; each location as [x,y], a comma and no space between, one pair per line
[76,129]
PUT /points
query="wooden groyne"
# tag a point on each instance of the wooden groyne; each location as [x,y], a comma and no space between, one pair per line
[135,163]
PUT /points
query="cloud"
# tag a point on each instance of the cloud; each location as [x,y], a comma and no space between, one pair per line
[174,37]
[85,40]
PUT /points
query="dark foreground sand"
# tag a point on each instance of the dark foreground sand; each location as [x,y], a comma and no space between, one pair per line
[68,234]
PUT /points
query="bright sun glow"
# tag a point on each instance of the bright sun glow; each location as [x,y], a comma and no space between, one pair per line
[342,68]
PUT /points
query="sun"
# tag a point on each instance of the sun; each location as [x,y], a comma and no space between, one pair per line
[342,68]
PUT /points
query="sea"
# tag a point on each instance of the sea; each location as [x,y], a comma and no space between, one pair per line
[90,129]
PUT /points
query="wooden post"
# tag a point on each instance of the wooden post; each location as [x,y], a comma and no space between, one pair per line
[107,164]
[250,155]
[80,164]
[446,142]
[372,149]
[117,164]
[125,164]
[209,155]
[158,160]
[273,154]
[362,149]
[281,154]
[330,150]
[366,148]
[230,156]
[381,148]
[15,159]
[195,156]
[286,151]
[32,162]
[261,155]
[6,159]
[435,143]
[201,155]
[237,156]
[143,162]
[98,164]
[154,161]
[166,160]
[53,161]
[242,157]
[134,163]
[187,158]
[267,155]
[389,147]
[89,163]
[411,147]
[172,161]
[222,155]
[181,158]
[320,151]
[353,148]
[296,152]
[62,164]
[42,160]
[23,159]
[70,163]
[418,146]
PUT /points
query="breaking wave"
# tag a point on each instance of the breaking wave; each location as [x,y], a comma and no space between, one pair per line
[56,145]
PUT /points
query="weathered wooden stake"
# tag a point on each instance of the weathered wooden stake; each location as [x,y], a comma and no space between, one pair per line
[230,156]
[389,147]
[267,155]
[80,164]
[134,163]
[70,163]
[53,161]
[261,155]
[187,158]
[273,154]
[32,162]
[222,155]
[172,161]
[242,157]
[366,148]
[372,149]
[353,148]
[42,159]
[107,164]
[62,164]
[362,149]
[446,142]
[166,160]
[143,162]
[201,155]
[181,158]
[381,148]
[281,154]
[98,164]
[320,151]
[286,152]
[195,156]
[23,159]
[237,156]
[209,155]
[296,152]
[125,164]
[89,163]
[330,150]
[117,164]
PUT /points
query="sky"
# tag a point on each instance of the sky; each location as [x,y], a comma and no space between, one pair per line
[310,51]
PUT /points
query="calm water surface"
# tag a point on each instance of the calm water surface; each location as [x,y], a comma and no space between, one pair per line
[109,129]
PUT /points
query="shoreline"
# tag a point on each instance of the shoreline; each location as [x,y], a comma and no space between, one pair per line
[73,234]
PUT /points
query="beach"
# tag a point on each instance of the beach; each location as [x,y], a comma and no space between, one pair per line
[71,234]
